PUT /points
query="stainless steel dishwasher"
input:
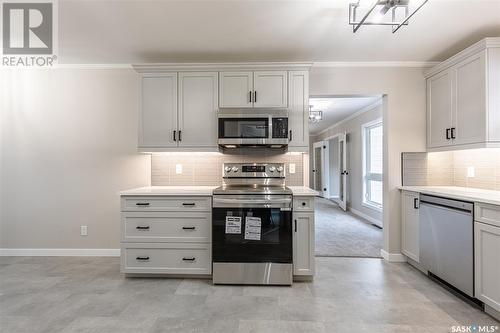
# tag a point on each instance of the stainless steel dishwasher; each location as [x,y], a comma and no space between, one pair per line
[446,241]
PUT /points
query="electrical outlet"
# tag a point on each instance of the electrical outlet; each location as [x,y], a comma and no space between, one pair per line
[471,172]
[83,230]
[291,168]
[178,169]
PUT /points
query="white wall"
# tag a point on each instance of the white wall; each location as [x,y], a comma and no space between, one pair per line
[69,142]
[354,158]
[404,123]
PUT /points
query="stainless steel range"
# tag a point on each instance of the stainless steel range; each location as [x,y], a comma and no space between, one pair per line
[252,225]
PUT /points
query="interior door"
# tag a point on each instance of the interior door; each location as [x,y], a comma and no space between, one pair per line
[270,89]
[198,109]
[317,168]
[235,89]
[343,171]
[321,168]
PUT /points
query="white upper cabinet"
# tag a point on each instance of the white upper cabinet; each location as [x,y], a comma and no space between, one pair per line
[298,116]
[253,89]
[236,90]
[270,89]
[198,109]
[158,116]
[463,99]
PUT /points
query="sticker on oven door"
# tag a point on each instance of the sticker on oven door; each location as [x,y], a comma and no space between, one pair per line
[252,228]
[233,225]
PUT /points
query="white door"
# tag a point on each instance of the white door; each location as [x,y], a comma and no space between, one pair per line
[303,244]
[469,116]
[298,109]
[320,168]
[198,109]
[270,89]
[439,109]
[235,89]
[158,114]
[411,225]
[343,171]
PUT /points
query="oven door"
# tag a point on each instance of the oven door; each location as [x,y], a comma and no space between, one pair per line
[251,235]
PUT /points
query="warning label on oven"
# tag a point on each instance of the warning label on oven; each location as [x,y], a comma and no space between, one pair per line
[233,225]
[252,228]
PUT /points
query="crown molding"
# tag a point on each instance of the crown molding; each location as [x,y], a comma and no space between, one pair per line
[172,67]
[407,64]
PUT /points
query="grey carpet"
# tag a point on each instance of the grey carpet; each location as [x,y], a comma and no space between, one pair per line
[341,234]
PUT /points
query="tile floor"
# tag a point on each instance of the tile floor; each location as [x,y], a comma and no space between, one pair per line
[79,294]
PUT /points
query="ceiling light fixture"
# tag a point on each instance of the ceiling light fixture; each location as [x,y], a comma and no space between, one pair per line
[373,12]
[315,115]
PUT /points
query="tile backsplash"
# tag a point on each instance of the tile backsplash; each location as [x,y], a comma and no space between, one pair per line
[477,168]
[206,168]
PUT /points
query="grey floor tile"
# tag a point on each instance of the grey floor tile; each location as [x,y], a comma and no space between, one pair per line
[109,325]
[273,326]
[185,325]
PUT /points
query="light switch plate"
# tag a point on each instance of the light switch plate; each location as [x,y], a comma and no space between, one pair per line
[83,230]
[178,169]
[471,172]
[291,168]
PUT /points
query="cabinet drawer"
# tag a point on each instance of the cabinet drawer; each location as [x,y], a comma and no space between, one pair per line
[166,227]
[486,213]
[166,258]
[166,203]
[303,204]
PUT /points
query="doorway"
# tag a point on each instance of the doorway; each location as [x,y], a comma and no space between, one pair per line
[345,163]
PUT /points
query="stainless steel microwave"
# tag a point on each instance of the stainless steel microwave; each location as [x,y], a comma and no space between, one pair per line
[251,130]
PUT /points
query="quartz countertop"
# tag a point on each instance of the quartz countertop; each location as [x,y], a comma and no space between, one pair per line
[170,190]
[459,193]
[302,191]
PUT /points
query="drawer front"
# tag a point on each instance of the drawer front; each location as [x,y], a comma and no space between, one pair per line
[486,213]
[166,227]
[167,258]
[303,204]
[166,203]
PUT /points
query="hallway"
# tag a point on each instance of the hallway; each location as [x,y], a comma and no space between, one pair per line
[342,234]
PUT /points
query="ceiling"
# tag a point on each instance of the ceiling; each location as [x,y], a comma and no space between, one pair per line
[244,30]
[336,109]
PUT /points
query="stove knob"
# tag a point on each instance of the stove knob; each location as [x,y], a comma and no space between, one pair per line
[227,169]
[272,168]
[234,169]
[280,169]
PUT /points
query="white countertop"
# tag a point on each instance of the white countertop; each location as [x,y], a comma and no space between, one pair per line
[302,191]
[170,190]
[199,190]
[460,193]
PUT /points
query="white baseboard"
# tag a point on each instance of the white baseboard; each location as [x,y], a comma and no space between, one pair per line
[392,257]
[59,252]
[366,217]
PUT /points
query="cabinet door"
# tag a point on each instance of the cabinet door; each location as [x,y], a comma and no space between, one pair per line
[439,109]
[303,243]
[270,89]
[198,109]
[158,115]
[235,89]
[410,225]
[487,264]
[469,115]
[298,118]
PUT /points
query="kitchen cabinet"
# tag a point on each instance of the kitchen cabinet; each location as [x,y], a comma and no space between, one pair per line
[463,100]
[486,253]
[158,116]
[303,241]
[410,225]
[298,110]
[253,89]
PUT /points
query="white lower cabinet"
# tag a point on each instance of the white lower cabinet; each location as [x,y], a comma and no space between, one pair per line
[487,263]
[303,240]
[410,225]
[166,235]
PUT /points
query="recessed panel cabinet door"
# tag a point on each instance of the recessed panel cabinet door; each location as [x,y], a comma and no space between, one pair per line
[303,243]
[235,89]
[298,116]
[158,115]
[439,109]
[469,116]
[411,225]
[270,89]
[198,109]
[487,264]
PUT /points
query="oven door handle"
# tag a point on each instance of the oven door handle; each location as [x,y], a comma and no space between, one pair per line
[251,201]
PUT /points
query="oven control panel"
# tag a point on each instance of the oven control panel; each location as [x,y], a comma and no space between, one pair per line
[253,170]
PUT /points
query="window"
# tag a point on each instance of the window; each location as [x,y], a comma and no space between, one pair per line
[372,164]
